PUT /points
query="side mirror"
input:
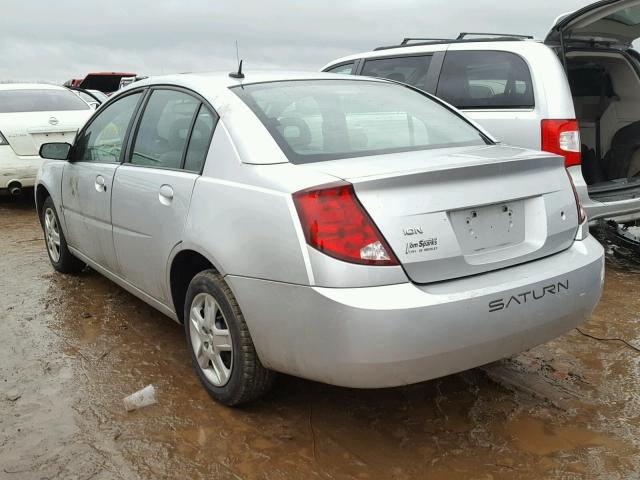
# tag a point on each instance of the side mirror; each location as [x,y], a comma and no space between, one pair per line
[55,151]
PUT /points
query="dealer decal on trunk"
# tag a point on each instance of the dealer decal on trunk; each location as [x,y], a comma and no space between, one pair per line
[528,296]
[425,245]
[419,246]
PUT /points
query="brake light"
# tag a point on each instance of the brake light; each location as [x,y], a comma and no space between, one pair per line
[563,138]
[335,223]
[582,216]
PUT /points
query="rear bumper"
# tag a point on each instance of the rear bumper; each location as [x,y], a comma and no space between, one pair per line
[400,334]
[13,167]
[630,208]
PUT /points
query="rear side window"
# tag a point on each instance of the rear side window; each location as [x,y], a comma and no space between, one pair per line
[345,69]
[411,70]
[320,120]
[485,79]
[200,139]
[44,100]
[164,129]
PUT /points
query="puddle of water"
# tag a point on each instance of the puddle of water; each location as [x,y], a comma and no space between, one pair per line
[542,437]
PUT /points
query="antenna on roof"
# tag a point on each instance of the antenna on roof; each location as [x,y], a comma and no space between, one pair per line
[239,73]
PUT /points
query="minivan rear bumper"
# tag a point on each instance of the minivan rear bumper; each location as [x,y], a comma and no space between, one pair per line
[394,335]
[628,207]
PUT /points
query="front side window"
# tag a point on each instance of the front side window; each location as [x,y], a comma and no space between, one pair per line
[485,79]
[164,129]
[345,69]
[39,100]
[411,70]
[103,139]
[320,120]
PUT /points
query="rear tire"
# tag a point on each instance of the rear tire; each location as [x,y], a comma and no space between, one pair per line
[61,258]
[221,347]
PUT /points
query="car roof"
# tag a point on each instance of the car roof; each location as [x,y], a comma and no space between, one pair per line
[211,81]
[30,86]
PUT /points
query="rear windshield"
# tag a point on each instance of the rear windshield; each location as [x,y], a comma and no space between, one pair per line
[318,120]
[45,100]
[626,16]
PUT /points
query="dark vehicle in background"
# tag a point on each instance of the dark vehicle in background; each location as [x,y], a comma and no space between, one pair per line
[106,82]
[126,81]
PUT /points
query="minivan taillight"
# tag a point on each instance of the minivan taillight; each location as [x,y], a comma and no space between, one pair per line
[582,216]
[563,138]
[335,223]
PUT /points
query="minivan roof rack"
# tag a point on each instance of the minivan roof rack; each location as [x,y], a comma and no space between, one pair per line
[503,35]
[487,37]
[406,41]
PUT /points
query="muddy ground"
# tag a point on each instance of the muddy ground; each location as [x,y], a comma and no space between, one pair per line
[72,347]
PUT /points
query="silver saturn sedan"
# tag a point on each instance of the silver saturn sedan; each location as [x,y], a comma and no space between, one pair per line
[348,230]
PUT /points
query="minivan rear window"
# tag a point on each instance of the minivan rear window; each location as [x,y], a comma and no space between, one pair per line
[485,79]
[40,100]
[318,120]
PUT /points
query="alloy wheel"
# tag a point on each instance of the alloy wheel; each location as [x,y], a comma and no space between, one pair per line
[52,234]
[211,339]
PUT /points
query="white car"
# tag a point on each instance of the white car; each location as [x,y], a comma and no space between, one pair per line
[30,115]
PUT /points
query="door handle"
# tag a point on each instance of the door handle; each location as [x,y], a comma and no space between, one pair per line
[101,185]
[165,194]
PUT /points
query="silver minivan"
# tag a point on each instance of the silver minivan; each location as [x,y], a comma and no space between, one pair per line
[577,93]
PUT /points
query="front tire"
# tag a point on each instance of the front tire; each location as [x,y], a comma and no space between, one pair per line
[61,258]
[221,347]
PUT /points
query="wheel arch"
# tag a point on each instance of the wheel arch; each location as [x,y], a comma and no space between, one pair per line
[185,265]
[41,193]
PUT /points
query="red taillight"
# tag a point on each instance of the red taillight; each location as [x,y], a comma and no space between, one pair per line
[335,223]
[563,138]
[582,216]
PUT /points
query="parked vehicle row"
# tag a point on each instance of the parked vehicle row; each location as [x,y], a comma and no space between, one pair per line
[349,230]
[351,226]
[576,94]
[31,114]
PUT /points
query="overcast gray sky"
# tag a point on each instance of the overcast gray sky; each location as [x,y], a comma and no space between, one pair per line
[57,40]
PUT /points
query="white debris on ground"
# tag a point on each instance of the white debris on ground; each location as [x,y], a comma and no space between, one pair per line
[141,398]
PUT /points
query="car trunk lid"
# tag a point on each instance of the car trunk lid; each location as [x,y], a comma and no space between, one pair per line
[26,132]
[457,212]
[615,22]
